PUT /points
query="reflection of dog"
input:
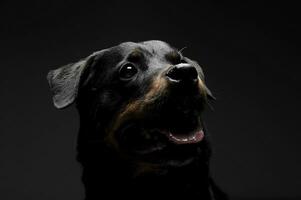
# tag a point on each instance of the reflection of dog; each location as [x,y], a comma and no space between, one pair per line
[141,130]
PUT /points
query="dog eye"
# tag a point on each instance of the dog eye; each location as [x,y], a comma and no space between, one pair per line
[127,72]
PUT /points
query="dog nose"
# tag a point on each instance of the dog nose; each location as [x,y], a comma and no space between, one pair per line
[182,73]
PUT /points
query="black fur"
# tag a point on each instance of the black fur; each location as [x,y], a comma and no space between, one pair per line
[100,94]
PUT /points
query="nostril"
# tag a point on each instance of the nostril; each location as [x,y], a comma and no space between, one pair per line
[173,74]
[183,72]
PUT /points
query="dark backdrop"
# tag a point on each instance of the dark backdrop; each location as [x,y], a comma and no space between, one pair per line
[250,54]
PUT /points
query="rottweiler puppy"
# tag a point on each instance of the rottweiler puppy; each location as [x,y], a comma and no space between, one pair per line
[142,134]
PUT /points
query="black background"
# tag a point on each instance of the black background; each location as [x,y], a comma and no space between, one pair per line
[250,55]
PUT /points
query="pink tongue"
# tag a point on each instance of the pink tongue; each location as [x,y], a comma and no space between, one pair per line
[190,138]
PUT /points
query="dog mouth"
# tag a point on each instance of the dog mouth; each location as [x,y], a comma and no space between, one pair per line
[185,138]
[171,130]
[161,145]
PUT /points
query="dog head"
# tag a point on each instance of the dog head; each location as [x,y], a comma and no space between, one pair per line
[143,100]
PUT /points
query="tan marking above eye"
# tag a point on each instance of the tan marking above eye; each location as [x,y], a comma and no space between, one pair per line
[135,55]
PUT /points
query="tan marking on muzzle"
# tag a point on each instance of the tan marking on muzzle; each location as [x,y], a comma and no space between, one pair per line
[135,109]
[202,88]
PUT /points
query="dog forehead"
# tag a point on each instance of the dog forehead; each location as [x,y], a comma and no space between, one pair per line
[152,47]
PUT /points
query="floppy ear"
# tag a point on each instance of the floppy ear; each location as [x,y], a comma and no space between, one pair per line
[64,81]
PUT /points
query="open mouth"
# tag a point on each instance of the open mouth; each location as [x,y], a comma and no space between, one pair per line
[159,145]
[185,138]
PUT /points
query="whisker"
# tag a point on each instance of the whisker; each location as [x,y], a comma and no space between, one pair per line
[180,51]
[209,105]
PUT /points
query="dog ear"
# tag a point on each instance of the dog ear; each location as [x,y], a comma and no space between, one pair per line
[64,81]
